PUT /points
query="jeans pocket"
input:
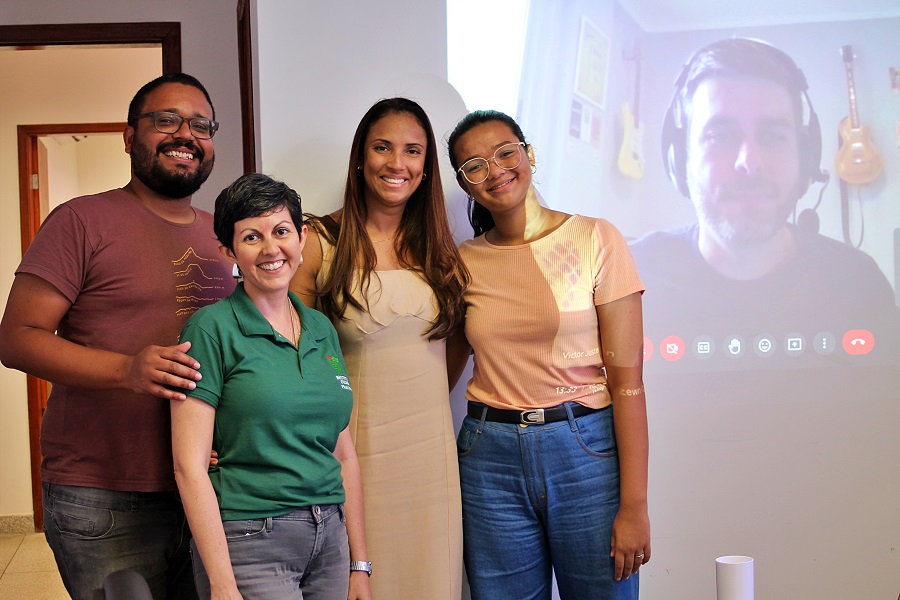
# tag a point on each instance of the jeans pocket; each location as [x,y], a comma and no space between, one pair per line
[81,521]
[468,437]
[244,529]
[596,437]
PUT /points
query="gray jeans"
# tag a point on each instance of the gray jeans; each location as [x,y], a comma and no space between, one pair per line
[94,532]
[303,555]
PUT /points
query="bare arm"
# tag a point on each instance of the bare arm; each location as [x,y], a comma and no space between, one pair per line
[192,431]
[345,452]
[28,342]
[304,282]
[458,353]
[621,344]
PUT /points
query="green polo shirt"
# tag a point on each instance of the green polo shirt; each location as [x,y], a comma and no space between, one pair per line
[279,409]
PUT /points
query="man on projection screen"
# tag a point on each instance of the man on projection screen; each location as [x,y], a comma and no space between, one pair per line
[741,140]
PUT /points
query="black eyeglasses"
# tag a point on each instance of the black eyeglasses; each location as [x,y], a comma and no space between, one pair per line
[168,122]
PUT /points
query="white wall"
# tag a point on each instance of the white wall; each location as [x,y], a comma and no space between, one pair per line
[323,64]
[209,51]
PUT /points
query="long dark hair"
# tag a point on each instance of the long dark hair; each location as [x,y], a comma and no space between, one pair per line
[424,241]
[479,217]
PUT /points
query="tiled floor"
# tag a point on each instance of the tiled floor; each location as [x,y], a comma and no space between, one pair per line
[27,569]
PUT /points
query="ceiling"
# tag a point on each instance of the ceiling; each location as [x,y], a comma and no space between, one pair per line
[679,15]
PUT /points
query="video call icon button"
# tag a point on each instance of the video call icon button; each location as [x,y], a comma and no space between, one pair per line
[824,343]
[764,345]
[704,347]
[734,346]
[858,341]
[794,344]
[671,348]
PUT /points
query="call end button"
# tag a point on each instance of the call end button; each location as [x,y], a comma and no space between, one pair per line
[858,341]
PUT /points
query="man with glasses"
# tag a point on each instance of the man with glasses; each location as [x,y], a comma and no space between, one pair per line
[96,308]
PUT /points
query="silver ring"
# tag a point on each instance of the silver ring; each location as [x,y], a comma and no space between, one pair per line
[641,555]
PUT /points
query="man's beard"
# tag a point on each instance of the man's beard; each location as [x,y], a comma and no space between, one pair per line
[177,184]
[747,224]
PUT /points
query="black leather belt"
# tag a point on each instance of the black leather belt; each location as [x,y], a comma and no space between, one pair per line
[534,416]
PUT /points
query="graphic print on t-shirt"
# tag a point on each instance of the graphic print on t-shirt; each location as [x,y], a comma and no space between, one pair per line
[196,286]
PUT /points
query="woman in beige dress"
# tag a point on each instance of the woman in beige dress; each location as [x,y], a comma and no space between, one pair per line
[385,269]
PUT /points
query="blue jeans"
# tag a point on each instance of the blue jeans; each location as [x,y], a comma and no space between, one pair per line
[94,532]
[303,555]
[541,497]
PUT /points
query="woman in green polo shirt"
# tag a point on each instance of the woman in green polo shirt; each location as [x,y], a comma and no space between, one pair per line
[280,514]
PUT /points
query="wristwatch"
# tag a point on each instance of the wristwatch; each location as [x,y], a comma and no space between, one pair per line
[361,565]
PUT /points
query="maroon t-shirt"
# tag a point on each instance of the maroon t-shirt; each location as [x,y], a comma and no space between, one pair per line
[133,279]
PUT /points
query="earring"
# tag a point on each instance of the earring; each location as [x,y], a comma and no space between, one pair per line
[236,272]
[533,168]
[359,168]
[301,260]
[424,176]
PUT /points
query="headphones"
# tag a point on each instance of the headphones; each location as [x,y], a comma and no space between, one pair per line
[740,56]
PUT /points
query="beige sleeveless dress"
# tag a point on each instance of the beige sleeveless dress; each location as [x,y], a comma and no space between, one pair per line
[403,431]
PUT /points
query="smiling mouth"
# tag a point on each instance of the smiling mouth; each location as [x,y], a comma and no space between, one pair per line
[179,154]
[393,181]
[501,185]
[272,266]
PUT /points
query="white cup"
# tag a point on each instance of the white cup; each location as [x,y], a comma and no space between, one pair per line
[734,578]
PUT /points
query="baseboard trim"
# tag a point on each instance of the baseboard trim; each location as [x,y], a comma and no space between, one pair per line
[16,524]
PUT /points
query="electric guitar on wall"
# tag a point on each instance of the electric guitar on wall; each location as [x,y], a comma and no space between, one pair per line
[631,156]
[858,161]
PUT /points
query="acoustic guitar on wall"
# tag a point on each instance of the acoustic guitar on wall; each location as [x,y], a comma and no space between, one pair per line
[631,156]
[858,161]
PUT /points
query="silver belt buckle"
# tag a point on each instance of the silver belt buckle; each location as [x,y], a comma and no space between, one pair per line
[532,417]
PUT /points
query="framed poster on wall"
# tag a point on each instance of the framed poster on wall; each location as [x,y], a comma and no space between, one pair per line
[590,66]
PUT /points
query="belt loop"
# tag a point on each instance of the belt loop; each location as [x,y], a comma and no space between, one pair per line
[268,524]
[572,425]
[484,411]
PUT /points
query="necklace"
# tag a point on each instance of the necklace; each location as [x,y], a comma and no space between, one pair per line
[387,239]
[295,338]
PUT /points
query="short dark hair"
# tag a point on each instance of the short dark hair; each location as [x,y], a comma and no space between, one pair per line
[740,57]
[479,217]
[137,103]
[252,195]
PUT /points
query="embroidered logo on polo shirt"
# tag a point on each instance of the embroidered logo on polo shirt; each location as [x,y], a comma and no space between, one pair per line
[343,380]
[335,364]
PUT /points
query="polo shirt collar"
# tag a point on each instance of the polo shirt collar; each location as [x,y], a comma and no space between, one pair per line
[252,322]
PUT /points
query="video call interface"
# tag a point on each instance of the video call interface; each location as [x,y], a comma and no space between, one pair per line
[831,305]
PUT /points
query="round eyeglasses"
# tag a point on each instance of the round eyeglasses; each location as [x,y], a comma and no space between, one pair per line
[507,157]
[168,122]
